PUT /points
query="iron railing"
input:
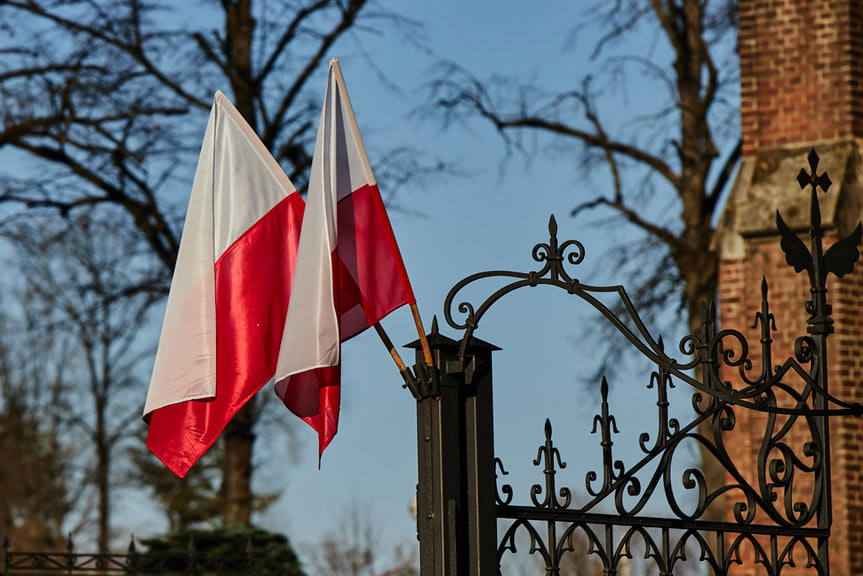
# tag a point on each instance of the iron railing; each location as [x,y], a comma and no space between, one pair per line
[781,517]
[129,563]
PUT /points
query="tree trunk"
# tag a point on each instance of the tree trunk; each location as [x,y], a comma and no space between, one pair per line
[697,262]
[103,475]
[236,489]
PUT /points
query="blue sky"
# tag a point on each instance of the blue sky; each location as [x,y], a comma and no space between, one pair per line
[488,219]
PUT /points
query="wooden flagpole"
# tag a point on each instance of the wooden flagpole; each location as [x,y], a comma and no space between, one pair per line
[389,344]
[352,121]
[392,349]
[422,334]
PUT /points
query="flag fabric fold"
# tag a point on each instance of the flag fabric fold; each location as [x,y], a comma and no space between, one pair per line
[230,292]
[349,271]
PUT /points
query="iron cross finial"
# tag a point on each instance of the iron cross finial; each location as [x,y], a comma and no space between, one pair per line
[813,179]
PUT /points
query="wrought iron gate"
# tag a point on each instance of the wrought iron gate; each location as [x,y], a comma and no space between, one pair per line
[780,519]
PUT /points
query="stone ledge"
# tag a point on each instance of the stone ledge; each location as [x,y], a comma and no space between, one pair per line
[768,182]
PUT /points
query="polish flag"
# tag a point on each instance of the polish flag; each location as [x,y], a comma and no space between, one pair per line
[349,271]
[229,295]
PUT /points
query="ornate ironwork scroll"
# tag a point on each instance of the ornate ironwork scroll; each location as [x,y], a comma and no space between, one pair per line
[778,517]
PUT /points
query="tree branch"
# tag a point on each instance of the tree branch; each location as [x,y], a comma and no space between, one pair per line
[349,14]
[723,177]
[662,234]
[618,29]
[287,37]
[600,131]
[164,243]
[593,140]
[135,51]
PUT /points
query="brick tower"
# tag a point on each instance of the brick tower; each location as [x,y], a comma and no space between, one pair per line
[801,73]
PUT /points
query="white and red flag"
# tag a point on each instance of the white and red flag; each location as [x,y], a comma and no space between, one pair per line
[349,272]
[229,296]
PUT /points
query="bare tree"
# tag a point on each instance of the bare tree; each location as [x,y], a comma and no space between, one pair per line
[355,548]
[38,492]
[676,162]
[98,293]
[671,158]
[105,100]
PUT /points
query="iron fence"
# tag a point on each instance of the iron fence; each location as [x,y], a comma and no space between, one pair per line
[779,518]
[131,562]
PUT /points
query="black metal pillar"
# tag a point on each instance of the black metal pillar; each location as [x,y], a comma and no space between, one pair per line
[456,523]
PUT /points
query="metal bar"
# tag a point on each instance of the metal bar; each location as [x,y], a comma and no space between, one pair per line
[440,490]
[575,517]
[479,463]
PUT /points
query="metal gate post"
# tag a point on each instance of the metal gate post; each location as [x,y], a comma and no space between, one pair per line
[456,523]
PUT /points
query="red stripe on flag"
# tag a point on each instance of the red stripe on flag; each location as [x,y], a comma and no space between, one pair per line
[314,396]
[372,282]
[253,283]
[369,254]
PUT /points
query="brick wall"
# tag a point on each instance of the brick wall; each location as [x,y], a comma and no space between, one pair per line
[739,300]
[800,65]
[801,71]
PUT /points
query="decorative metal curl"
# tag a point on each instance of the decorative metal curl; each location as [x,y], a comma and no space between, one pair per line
[548,455]
[606,424]
[506,488]
[668,427]
[789,490]
[708,350]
